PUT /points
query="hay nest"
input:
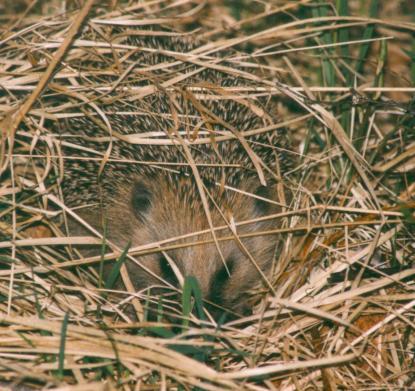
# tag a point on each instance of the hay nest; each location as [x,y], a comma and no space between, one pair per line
[341,314]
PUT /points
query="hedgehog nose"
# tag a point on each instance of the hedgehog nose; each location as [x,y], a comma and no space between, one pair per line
[203,284]
[202,277]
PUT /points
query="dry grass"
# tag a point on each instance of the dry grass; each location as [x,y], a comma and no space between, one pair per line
[341,315]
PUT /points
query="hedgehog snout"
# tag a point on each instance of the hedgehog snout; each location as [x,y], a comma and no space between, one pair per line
[163,211]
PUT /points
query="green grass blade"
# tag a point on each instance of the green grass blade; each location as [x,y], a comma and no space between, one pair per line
[364,49]
[115,271]
[328,72]
[191,289]
[342,7]
[103,250]
[61,363]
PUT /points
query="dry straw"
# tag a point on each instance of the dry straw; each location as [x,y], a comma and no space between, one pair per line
[339,312]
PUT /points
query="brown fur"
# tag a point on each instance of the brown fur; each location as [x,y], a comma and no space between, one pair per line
[169,204]
[173,212]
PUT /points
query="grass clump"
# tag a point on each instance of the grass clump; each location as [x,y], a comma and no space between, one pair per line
[340,316]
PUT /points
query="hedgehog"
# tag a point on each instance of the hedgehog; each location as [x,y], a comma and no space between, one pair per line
[200,171]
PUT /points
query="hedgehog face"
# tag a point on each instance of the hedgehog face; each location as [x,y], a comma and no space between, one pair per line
[161,208]
[168,213]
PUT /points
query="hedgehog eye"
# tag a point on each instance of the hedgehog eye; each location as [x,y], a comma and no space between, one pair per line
[219,280]
[140,199]
[166,270]
[262,207]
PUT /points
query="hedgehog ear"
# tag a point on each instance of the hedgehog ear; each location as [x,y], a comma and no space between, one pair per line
[140,199]
[261,206]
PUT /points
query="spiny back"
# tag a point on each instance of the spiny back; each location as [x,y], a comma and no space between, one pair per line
[148,85]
